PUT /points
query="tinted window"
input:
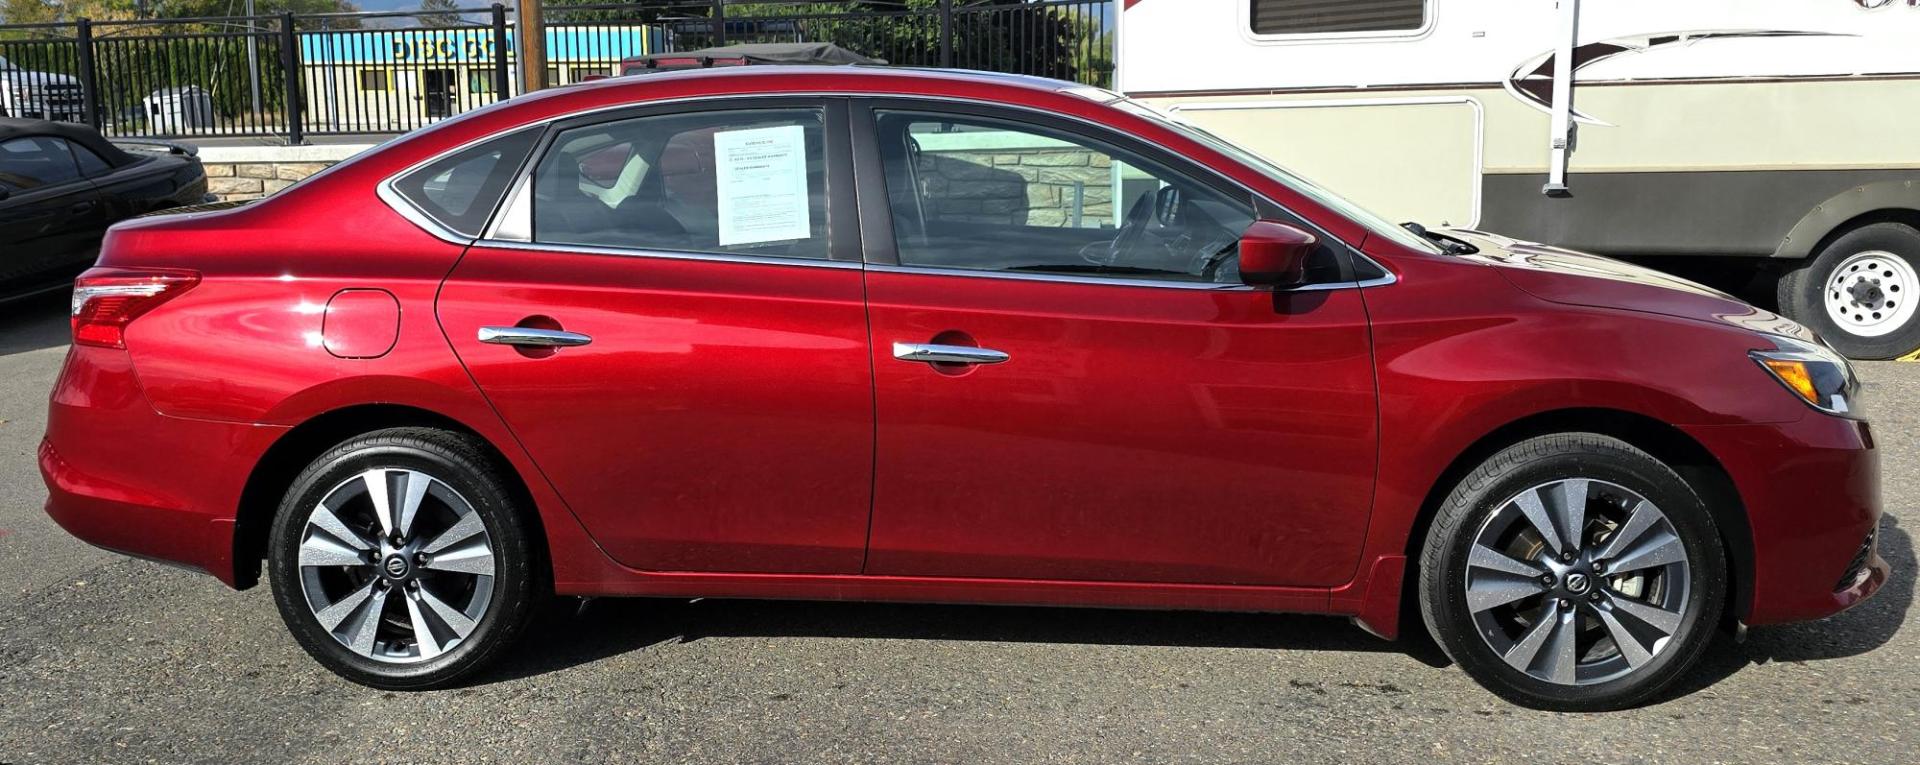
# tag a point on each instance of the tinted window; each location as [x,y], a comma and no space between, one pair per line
[1292,17]
[460,190]
[91,164]
[35,162]
[749,182]
[979,193]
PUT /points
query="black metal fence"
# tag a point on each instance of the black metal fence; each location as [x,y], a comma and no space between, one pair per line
[377,73]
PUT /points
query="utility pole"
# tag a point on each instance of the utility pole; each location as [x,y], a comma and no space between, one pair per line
[532,44]
[253,60]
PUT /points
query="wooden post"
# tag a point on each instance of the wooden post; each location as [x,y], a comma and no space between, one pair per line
[531,39]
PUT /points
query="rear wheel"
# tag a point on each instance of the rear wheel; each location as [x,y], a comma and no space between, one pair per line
[398,559]
[1859,292]
[1573,572]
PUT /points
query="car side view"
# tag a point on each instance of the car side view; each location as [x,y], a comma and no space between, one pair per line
[893,335]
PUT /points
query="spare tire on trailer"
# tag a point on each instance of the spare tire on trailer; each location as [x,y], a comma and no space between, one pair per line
[1859,291]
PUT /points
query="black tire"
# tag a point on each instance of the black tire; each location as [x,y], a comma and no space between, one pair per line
[519,585]
[1471,506]
[1801,298]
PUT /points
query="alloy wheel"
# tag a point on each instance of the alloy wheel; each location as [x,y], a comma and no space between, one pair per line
[1577,581]
[396,565]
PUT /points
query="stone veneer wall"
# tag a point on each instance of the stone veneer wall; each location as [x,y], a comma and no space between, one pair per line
[251,172]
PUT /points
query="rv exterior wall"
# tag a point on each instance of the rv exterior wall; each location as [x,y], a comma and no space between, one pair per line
[1737,138]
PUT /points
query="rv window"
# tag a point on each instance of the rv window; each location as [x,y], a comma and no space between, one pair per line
[1314,17]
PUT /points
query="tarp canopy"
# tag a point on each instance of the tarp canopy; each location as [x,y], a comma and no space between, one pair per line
[751,53]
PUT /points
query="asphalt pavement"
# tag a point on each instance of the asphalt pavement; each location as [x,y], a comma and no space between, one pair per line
[106,659]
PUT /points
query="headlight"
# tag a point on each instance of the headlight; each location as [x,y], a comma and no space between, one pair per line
[1815,373]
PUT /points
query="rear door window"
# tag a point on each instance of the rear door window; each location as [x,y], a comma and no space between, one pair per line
[747,181]
[460,190]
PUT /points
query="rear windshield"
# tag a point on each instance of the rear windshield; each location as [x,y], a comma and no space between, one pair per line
[460,190]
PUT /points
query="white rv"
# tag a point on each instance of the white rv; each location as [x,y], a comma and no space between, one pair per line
[1782,132]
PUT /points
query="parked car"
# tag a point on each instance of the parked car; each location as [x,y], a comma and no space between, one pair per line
[39,95]
[875,334]
[62,185]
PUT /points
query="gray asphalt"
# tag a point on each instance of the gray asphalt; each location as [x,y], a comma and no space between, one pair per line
[108,659]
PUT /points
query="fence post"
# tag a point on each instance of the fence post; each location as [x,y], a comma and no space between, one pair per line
[89,83]
[946,33]
[501,75]
[719,23]
[290,61]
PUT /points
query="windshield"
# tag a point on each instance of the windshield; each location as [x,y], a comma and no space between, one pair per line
[1374,223]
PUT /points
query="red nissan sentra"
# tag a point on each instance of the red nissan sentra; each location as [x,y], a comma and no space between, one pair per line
[898,335]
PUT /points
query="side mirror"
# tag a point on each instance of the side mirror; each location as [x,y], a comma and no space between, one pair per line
[1274,254]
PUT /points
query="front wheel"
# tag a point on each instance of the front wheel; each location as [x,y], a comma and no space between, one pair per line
[1859,292]
[1573,572]
[399,560]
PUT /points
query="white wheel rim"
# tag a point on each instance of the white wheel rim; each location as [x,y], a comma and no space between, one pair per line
[1871,293]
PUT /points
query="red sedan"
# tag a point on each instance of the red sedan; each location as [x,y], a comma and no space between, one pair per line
[893,335]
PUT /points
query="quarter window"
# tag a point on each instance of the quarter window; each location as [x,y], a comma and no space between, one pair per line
[91,165]
[459,191]
[987,194]
[375,79]
[1306,17]
[749,182]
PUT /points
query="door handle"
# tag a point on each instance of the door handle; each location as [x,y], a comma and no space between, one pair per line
[530,337]
[947,354]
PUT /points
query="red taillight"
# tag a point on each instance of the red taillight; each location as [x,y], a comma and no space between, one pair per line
[106,300]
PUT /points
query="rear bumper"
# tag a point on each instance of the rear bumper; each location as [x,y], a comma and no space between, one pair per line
[121,476]
[1811,490]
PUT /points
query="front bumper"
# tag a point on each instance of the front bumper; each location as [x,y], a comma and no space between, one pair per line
[1811,490]
[121,476]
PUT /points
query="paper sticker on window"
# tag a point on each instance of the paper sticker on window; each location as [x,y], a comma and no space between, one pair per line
[762,180]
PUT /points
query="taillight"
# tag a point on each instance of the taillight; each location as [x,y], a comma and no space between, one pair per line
[106,300]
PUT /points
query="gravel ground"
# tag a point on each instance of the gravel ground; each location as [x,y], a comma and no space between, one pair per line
[109,659]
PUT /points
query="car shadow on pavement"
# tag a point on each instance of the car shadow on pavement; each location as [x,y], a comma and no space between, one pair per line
[1851,633]
[33,323]
[604,628]
[583,632]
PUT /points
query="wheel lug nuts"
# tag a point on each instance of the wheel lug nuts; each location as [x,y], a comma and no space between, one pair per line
[1566,557]
[1599,568]
[1547,580]
[1565,603]
[1594,596]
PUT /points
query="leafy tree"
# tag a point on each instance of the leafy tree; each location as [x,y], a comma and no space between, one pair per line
[439,13]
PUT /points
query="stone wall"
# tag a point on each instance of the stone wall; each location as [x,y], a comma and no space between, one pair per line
[1037,186]
[251,172]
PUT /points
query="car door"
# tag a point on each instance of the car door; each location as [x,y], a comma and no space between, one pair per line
[51,219]
[1070,382]
[669,316]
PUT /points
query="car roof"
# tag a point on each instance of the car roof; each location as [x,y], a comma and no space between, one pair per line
[18,127]
[874,79]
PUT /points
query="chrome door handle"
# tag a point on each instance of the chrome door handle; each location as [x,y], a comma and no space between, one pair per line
[532,338]
[947,354]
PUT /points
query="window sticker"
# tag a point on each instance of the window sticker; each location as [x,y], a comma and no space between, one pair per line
[761,178]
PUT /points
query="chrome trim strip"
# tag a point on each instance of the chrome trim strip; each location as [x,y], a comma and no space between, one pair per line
[514,221]
[624,252]
[933,353]
[1121,282]
[494,233]
[531,337]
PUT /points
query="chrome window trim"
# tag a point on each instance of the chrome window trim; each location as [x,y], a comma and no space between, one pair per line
[1124,282]
[514,221]
[634,252]
[495,226]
